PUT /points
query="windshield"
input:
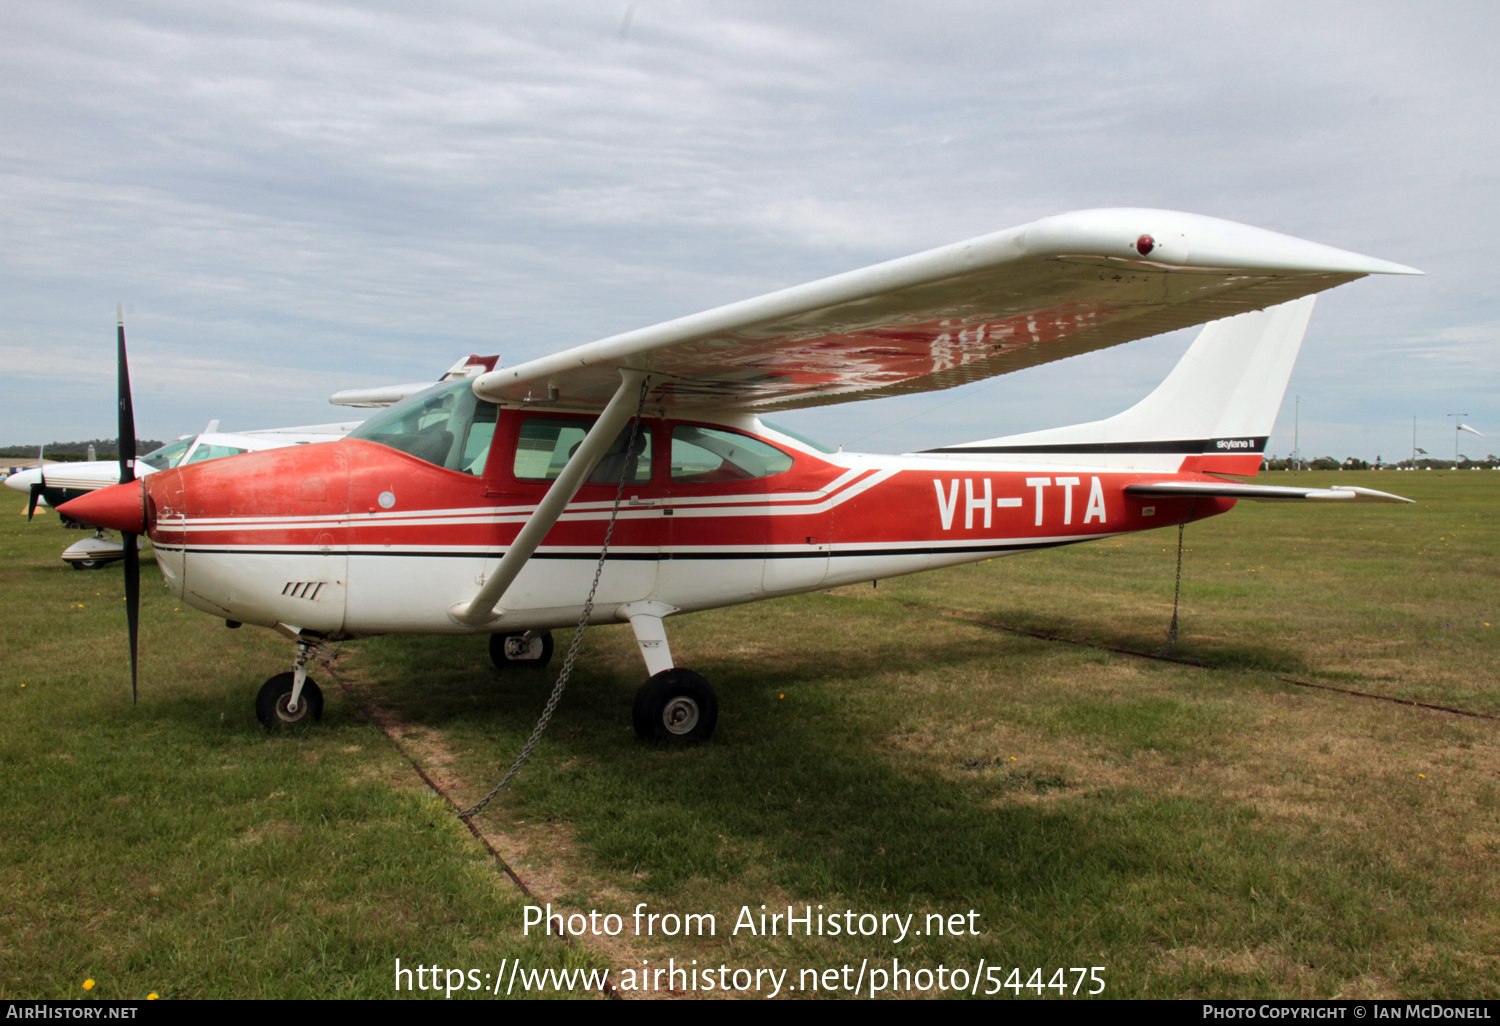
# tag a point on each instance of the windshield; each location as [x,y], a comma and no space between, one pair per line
[447,425]
[170,454]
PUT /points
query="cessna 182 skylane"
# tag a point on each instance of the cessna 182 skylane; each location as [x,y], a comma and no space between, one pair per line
[480,506]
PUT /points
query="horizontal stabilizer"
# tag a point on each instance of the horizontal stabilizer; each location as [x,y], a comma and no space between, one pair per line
[1260,493]
[386,395]
[383,395]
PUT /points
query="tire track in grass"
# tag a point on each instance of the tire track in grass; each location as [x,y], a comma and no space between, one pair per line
[430,748]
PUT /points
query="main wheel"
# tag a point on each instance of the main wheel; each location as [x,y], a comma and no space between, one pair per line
[675,705]
[86,564]
[508,650]
[276,694]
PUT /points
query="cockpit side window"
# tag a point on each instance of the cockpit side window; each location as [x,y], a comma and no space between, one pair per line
[545,445]
[448,426]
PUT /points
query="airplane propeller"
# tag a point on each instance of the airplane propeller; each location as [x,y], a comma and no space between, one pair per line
[127,474]
[40,486]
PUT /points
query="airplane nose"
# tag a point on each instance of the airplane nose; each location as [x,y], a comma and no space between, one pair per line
[120,507]
[23,480]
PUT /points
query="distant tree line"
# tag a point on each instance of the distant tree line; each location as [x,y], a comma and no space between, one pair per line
[1490,462]
[73,452]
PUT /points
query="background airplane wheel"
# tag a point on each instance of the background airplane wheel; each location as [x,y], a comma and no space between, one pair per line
[86,564]
[676,705]
[276,694]
[536,654]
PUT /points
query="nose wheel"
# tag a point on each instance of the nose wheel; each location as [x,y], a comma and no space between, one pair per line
[273,706]
[676,706]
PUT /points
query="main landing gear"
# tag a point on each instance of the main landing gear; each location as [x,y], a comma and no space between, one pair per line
[291,699]
[675,706]
[529,651]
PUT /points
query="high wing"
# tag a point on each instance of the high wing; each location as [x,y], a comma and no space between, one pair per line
[1055,288]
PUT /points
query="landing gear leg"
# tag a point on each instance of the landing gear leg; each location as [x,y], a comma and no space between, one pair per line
[675,705]
[291,699]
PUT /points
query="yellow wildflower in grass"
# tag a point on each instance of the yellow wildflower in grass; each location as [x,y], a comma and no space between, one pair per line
[151,996]
[88,984]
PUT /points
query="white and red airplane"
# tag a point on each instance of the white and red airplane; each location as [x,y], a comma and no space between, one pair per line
[481,505]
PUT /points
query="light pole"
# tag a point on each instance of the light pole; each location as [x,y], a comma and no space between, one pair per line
[1297,432]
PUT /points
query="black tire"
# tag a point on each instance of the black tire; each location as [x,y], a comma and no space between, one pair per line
[677,706]
[536,662]
[85,564]
[276,693]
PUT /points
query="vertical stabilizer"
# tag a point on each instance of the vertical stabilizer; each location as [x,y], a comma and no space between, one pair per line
[1213,412]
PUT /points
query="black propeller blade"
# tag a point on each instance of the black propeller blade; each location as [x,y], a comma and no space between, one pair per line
[39,487]
[127,474]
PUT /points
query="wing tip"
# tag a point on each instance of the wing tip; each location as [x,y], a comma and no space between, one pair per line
[1193,241]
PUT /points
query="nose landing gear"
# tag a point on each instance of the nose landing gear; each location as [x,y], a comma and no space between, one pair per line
[273,706]
[291,699]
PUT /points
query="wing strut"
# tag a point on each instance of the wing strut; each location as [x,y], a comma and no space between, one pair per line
[626,400]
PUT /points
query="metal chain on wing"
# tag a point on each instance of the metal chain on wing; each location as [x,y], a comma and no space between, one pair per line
[583,623]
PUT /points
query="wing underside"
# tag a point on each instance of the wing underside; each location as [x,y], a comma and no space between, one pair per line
[1259,492]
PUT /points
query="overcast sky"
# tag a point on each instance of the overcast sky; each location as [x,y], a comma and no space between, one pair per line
[293,198]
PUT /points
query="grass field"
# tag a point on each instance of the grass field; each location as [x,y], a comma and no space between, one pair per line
[1214,830]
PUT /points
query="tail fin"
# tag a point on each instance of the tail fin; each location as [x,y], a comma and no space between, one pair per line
[1212,413]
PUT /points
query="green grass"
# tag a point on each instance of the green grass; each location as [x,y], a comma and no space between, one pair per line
[174,847]
[1200,832]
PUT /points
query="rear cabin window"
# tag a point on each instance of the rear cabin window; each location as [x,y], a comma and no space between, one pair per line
[705,455]
[447,426]
[545,445]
